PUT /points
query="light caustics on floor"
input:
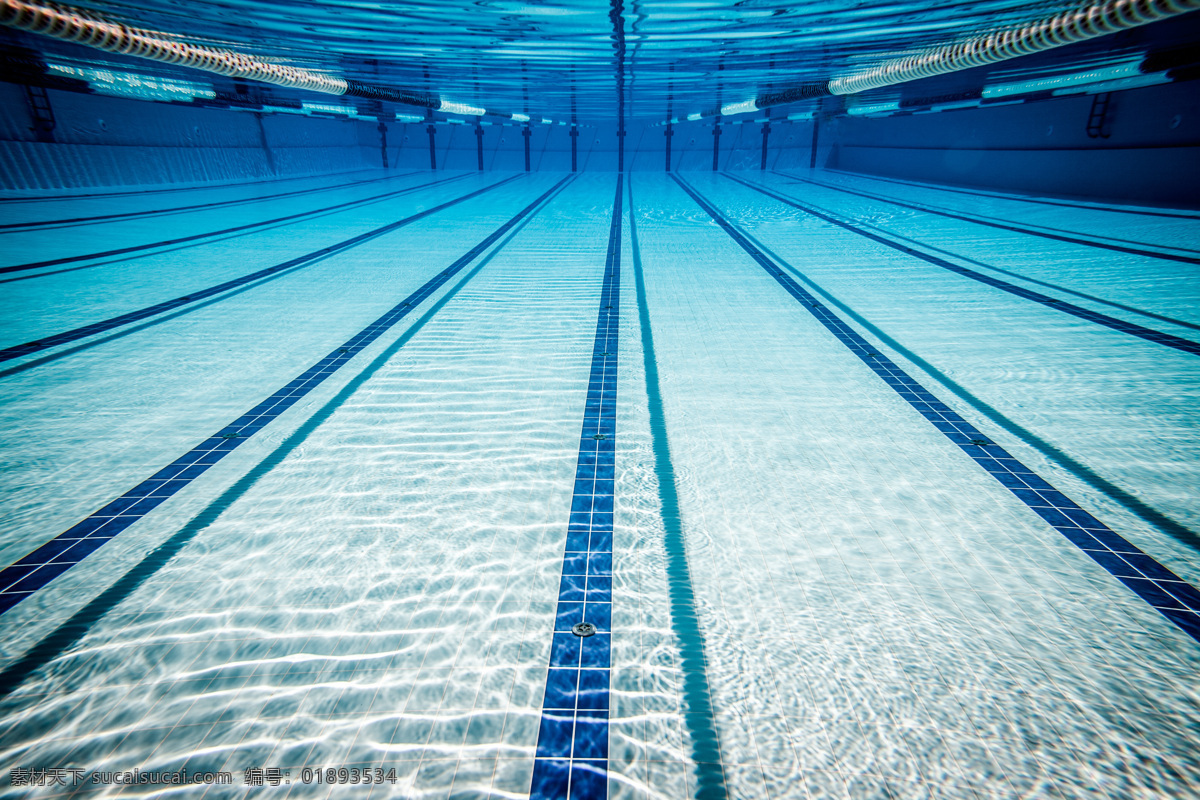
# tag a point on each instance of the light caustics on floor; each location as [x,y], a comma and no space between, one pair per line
[889,493]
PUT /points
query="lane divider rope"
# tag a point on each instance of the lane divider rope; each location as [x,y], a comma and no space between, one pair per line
[86,28]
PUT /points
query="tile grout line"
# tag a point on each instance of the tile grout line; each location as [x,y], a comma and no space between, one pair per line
[1162,589]
[571,757]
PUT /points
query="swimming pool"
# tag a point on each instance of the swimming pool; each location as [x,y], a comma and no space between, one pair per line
[792,482]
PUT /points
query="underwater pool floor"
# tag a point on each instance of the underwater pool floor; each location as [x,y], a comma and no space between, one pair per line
[869,489]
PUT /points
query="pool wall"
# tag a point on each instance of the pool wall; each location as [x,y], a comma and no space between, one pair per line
[1149,150]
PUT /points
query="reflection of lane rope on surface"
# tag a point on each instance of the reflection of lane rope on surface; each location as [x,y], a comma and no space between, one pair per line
[1069,27]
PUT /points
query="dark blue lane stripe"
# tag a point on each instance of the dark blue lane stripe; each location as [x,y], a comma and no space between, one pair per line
[1175,599]
[571,760]
[64,551]
[174,189]
[1145,212]
[1020,276]
[67,634]
[16,351]
[119,251]
[1094,240]
[1149,334]
[1129,502]
[156,211]
[697,711]
[991,223]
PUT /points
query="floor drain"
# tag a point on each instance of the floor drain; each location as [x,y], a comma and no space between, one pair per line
[980,441]
[343,350]
[599,436]
[583,629]
[229,436]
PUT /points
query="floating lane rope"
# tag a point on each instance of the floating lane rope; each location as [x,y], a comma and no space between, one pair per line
[1089,21]
[82,27]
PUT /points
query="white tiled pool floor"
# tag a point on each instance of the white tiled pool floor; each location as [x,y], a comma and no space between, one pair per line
[371,580]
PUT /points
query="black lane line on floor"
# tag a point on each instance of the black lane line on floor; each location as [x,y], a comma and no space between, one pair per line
[685,620]
[1162,589]
[172,189]
[19,350]
[1016,197]
[64,551]
[75,628]
[49,224]
[67,352]
[980,220]
[119,251]
[1096,240]
[1133,505]
[1133,329]
[1112,304]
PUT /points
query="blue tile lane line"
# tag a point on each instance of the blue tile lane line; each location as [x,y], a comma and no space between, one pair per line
[1144,212]
[1063,236]
[1169,594]
[176,189]
[119,251]
[18,350]
[157,211]
[1148,334]
[64,551]
[571,760]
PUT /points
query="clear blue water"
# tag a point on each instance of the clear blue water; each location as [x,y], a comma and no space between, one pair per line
[880,617]
[872,488]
